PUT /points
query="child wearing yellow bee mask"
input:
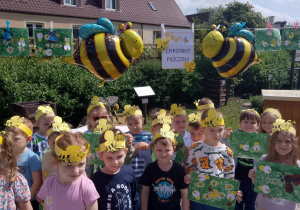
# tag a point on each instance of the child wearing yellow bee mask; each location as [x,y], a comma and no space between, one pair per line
[95,112]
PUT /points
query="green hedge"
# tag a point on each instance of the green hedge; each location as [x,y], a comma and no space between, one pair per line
[72,87]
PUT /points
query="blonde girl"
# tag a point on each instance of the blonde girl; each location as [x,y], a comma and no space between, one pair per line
[268,117]
[76,191]
[283,148]
[14,189]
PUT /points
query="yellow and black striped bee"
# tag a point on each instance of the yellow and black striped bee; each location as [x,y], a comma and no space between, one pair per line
[105,55]
[230,56]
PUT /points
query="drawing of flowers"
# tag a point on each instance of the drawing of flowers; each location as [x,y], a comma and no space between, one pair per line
[200,184]
[214,183]
[229,187]
[10,50]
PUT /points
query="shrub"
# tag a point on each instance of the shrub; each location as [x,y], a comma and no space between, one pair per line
[257,103]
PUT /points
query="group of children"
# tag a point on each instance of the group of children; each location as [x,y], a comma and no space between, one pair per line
[47,169]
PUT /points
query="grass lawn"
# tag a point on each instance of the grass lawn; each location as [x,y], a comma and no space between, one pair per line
[231,112]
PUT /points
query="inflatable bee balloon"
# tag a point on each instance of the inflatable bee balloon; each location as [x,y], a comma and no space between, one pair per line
[106,55]
[230,56]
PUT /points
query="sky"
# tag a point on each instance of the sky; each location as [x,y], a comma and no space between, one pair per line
[283,10]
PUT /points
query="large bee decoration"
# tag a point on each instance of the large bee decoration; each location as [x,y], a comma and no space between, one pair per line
[233,55]
[106,55]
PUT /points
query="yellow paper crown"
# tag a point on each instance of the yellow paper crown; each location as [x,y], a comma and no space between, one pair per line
[113,142]
[73,153]
[273,111]
[212,119]
[58,126]
[43,110]
[1,137]
[165,132]
[177,110]
[17,122]
[162,118]
[102,126]
[131,110]
[253,110]
[282,125]
[94,103]
[195,117]
[204,106]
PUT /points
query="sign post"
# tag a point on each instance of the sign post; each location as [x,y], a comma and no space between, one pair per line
[143,93]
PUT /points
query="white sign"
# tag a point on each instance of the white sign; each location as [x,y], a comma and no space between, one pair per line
[297,58]
[281,95]
[144,91]
[145,101]
[180,48]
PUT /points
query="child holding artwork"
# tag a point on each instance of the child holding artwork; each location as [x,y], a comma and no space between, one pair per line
[115,182]
[195,127]
[57,128]
[95,112]
[179,119]
[268,117]
[14,189]
[210,156]
[44,117]
[28,162]
[283,148]
[249,123]
[69,189]
[163,180]
[204,104]
[134,121]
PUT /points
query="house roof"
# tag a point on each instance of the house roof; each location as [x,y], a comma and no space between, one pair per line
[136,11]
[202,17]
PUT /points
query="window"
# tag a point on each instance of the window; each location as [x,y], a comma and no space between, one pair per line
[156,35]
[110,4]
[76,32]
[32,26]
[70,2]
[152,6]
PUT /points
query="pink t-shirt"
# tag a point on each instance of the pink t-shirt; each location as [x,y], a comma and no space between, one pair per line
[61,197]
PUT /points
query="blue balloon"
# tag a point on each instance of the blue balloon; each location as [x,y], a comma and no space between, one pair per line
[103,25]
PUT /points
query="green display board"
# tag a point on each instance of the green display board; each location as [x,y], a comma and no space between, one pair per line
[277,180]
[14,42]
[179,154]
[213,191]
[249,145]
[266,40]
[93,139]
[290,39]
[58,42]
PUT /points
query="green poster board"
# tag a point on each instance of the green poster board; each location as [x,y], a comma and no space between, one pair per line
[277,180]
[266,40]
[93,139]
[213,191]
[290,39]
[179,154]
[249,145]
[15,42]
[59,42]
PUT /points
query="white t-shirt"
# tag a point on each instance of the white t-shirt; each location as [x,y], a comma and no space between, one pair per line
[187,139]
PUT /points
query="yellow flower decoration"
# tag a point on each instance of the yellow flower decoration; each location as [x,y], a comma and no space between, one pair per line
[58,126]
[73,153]
[113,142]
[165,132]
[212,120]
[195,117]
[102,126]
[131,111]
[43,110]
[282,125]
[256,143]
[162,118]
[94,103]
[17,122]
[177,110]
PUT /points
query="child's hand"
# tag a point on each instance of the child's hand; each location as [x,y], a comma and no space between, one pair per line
[251,175]
[187,150]
[143,146]
[227,133]
[129,139]
[239,195]
[187,178]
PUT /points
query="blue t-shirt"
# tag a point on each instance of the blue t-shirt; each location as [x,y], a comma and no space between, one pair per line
[117,191]
[142,158]
[28,162]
